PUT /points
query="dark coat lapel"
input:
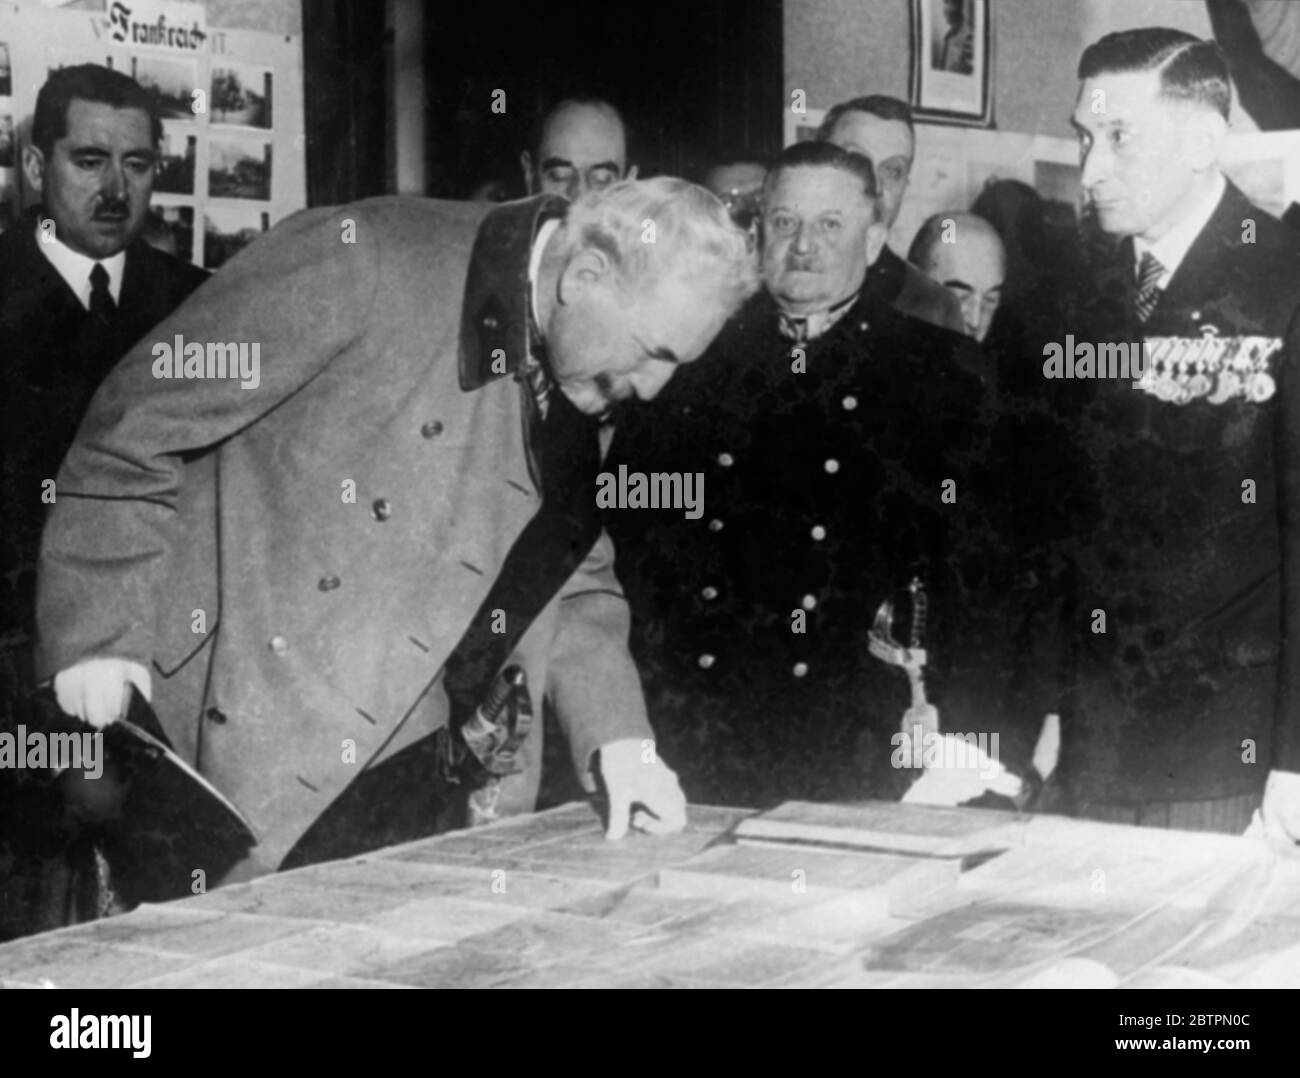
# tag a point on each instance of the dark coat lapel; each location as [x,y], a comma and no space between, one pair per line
[495,314]
[1212,255]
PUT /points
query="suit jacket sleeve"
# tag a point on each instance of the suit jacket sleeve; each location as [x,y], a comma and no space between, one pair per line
[1286,733]
[299,293]
[592,680]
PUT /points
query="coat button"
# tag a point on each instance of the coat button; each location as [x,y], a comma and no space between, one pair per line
[216,715]
[832,466]
[715,525]
[490,321]
[706,660]
[279,645]
[726,460]
[849,403]
[381,510]
[818,532]
[799,669]
[431,429]
[709,592]
[328,583]
[808,602]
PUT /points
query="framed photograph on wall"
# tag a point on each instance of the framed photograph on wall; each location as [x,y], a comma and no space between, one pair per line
[952,62]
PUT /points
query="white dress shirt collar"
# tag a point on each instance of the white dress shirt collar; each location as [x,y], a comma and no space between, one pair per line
[1172,247]
[543,237]
[75,268]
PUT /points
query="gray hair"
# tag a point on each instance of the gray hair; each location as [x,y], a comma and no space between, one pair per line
[664,227]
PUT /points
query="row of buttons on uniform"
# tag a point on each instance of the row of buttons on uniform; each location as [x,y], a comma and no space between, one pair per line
[818,533]
[707,660]
[831,465]
[808,602]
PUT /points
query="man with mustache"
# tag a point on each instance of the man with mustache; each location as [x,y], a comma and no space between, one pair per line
[828,427]
[400,510]
[78,286]
[1186,708]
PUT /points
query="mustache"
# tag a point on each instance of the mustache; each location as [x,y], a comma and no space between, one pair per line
[111,208]
[806,265]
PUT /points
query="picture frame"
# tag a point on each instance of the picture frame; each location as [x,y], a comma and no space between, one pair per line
[952,62]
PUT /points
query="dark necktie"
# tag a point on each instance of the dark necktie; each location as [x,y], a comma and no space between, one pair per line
[1148,294]
[102,305]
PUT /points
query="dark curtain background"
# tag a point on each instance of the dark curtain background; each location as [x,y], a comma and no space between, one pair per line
[344,99]
[691,77]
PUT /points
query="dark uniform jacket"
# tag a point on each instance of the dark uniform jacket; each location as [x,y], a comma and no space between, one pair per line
[53,355]
[823,497]
[1178,698]
[911,292]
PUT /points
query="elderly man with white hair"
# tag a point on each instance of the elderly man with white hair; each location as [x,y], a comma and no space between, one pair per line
[312,577]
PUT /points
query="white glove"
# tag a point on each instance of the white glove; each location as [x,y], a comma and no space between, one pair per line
[957,771]
[1278,817]
[634,773]
[95,691]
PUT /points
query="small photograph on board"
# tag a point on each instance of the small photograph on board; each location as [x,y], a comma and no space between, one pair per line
[176,164]
[228,230]
[171,229]
[239,169]
[6,140]
[241,94]
[951,62]
[170,81]
[952,48]
[6,76]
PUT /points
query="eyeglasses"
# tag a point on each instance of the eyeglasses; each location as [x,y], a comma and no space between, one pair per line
[743,206]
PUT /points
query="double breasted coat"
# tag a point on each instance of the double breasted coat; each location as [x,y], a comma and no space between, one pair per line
[833,473]
[338,525]
[1195,484]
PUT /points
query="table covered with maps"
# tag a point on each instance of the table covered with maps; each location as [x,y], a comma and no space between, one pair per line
[870,895]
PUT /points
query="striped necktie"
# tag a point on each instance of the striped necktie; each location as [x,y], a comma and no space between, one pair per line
[1148,293]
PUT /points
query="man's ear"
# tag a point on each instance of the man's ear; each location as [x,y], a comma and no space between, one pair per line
[877,233]
[586,269]
[34,169]
[1207,131]
[526,163]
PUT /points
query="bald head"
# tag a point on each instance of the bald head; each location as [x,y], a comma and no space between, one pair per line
[582,147]
[963,253]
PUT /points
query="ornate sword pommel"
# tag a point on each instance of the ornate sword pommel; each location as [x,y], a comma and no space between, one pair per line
[920,607]
[885,645]
[499,725]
